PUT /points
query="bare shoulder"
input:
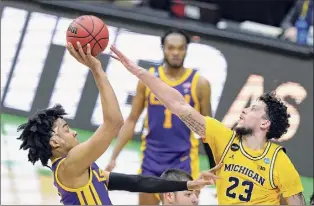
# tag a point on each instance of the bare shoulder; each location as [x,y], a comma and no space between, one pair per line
[203,82]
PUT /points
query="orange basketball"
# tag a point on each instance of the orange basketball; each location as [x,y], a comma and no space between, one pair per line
[88,30]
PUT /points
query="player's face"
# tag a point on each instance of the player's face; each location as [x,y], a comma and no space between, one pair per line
[65,137]
[175,50]
[186,198]
[253,118]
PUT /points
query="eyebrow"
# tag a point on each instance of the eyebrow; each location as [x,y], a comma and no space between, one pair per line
[65,125]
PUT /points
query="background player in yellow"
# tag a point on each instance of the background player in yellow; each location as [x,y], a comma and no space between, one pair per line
[255,170]
[167,143]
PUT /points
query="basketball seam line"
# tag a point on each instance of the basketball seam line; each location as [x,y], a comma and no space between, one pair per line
[97,34]
[90,34]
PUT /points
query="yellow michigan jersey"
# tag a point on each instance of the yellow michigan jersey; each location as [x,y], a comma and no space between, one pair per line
[250,176]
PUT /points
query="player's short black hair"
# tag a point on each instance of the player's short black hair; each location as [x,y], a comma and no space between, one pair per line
[175,31]
[277,113]
[36,133]
[175,175]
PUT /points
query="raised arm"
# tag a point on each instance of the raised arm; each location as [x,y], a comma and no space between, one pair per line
[82,156]
[170,97]
[127,131]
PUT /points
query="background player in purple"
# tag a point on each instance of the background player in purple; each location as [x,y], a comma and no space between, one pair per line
[78,179]
[167,143]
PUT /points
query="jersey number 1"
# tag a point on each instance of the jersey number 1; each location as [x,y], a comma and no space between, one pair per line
[168,119]
[168,114]
[242,197]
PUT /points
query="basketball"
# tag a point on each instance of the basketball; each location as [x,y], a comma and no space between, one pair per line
[88,30]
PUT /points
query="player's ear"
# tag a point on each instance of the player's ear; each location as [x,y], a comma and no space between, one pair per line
[168,197]
[265,124]
[54,142]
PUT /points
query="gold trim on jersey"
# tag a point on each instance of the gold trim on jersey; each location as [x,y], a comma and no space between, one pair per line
[55,160]
[143,137]
[194,91]
[247,155]
[272,164]
[227,147]
[176,82]
[194,151]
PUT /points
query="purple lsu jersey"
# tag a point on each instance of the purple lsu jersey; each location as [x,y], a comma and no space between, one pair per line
[167,142]
[95,192]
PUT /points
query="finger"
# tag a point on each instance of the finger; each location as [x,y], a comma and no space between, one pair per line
[116,58]
[80,50]
[211,176]
[118,53]
[88,51]
[217,167]
[72,51]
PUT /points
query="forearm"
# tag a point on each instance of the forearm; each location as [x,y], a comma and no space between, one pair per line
[170,97]
[124,136]
[141,183]
[109,102]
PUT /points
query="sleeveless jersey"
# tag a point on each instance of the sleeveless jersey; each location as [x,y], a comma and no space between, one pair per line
[250,176]
[248,179]
[95,192]
[165,137]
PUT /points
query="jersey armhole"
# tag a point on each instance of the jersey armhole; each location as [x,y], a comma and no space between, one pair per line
[67,188]
[272,166]
[227,147]
[152,71]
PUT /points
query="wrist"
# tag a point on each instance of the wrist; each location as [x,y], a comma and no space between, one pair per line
[189,185]
[96,68]
[140,71]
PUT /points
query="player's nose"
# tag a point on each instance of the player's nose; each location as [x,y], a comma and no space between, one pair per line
[195,200]
[74,133]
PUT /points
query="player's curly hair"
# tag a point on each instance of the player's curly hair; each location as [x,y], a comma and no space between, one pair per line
[36,133]
[277,113]
[175,31]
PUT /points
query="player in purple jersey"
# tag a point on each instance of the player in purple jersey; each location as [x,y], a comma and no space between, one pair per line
[167,143]
[79,181]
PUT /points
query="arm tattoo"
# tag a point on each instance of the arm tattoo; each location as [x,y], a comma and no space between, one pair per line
[298,199]
[193,124]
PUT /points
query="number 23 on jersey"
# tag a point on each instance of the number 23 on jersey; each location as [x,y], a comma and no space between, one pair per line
[241,190]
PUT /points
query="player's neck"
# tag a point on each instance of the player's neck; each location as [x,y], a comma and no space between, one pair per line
[254,142]
[173,72]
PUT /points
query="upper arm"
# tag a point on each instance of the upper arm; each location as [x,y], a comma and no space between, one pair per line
[204,93]
[138,102]
[287,179]
[297,199]
[83,155]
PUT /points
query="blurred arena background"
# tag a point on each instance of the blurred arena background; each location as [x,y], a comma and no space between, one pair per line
[243,48]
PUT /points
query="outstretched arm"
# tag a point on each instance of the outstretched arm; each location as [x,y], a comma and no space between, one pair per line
[83,155]
[151,184]
[170,97]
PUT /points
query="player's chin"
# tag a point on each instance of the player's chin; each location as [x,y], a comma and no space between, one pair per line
[176,64]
